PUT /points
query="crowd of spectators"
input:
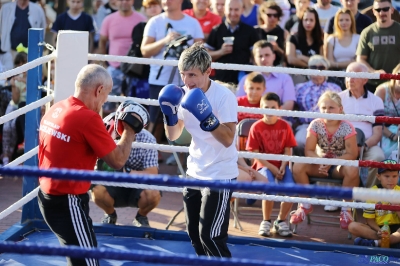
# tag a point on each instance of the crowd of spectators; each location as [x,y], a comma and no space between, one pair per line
[298,34]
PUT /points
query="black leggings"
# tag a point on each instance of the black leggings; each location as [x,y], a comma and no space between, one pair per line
[68,218]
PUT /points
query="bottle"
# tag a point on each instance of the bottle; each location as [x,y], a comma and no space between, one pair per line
[385,242]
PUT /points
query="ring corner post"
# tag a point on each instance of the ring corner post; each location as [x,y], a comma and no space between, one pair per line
[30,211]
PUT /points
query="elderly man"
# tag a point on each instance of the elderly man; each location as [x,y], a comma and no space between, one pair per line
[72,135]
[281,84]
[358,100]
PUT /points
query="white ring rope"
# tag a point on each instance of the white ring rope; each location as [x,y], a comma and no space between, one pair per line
[253,110]
[25,109]
[253,155]
[14,207]
[313,201]
[27,66]
[21,159]
[265,69]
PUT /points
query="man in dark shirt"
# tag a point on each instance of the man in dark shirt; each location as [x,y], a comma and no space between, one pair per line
[362,21]
[235,50]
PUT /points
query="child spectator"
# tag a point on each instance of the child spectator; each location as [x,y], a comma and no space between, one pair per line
[254,87]
[74,19]
[272,135]
[328,139]
[369,234]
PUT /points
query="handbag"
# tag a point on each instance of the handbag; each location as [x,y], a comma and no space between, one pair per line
[132,70]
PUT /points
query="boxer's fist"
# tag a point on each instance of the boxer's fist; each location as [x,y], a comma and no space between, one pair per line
[169,99]
[133,114]
[196,102]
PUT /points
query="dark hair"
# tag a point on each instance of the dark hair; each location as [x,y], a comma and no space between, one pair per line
[316,33]
[268,5]
[262,44]
[271,96]
[21,58]
[255,77]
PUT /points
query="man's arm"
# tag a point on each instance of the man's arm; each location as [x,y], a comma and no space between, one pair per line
[225,133]
[376,136]
[150,171]
[102,44]
[288,105]
[364,60]
[174,132]
[217,54]
[151,47]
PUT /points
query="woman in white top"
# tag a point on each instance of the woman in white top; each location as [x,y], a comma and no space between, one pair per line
[340,48]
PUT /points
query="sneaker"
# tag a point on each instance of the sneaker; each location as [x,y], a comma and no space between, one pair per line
[250,201]
[364,242]
[300,214]
[108,219]
[265,228]
[282,229]
[141,221]
[328,208]
[345,219]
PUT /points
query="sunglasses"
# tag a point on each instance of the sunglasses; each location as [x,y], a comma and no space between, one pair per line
[272,15]
[317,67]
[384,9]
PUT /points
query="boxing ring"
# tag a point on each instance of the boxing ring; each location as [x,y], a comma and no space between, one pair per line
[30,242]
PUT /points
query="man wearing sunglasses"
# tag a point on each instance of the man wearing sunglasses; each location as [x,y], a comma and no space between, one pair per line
[379,46]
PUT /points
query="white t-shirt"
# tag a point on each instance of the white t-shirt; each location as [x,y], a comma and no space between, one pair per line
[157,28]
[364,105]
[208,158]
[325,14]
[342,54]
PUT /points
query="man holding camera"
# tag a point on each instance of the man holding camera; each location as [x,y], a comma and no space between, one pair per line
[159,33]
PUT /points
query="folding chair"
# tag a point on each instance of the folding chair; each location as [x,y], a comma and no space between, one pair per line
[329,179]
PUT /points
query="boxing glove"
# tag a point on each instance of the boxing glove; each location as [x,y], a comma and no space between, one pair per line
[196,102]
[169,99]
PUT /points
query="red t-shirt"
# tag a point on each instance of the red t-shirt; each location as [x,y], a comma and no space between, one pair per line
[71,136]
[243,101]
[207,22]
[270,139]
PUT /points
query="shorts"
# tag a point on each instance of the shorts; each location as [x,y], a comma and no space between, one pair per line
[155,111]
[287,177]
[124,197]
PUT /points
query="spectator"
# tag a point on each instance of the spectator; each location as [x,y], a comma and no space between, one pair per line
[249,15]
[158,33]
[292,24]
[379,46]
[389,92]
[218,7]
[272,135]
[328,139]
[254,86]
[15,19]
[370,234]
[140,161]
[236,51]
[305,43]
[74,19]
[10,139]
[104,10]
[325,11]
[340,47]
[269,14]
[307,95]
[206,18]
[359,101]
[369,11]
[278,83]
[116,30]
[362,21]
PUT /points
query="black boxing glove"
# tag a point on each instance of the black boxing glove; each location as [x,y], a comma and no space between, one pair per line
[132,113]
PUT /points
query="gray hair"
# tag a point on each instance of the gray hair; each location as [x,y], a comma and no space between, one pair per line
[318,60]
[92,76]
[357,67]
[195,57]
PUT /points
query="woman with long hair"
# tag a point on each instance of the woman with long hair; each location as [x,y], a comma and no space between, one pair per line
[389,92]
[269,15]
[306,42]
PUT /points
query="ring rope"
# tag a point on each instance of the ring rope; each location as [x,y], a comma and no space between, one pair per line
[302,114]
[362,194]
[132,255]
[21,159]
[250,68]
[25,109]
[27,66]
[17,205]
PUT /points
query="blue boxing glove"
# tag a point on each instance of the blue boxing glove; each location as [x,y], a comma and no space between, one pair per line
[196,102]
[169,99]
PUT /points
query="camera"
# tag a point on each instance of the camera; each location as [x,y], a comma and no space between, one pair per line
[177,46]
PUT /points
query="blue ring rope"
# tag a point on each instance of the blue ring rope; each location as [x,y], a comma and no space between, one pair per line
[144,256]
[167,180]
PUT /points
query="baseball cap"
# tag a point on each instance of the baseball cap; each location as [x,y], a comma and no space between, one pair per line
[147,3]
[387,161]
